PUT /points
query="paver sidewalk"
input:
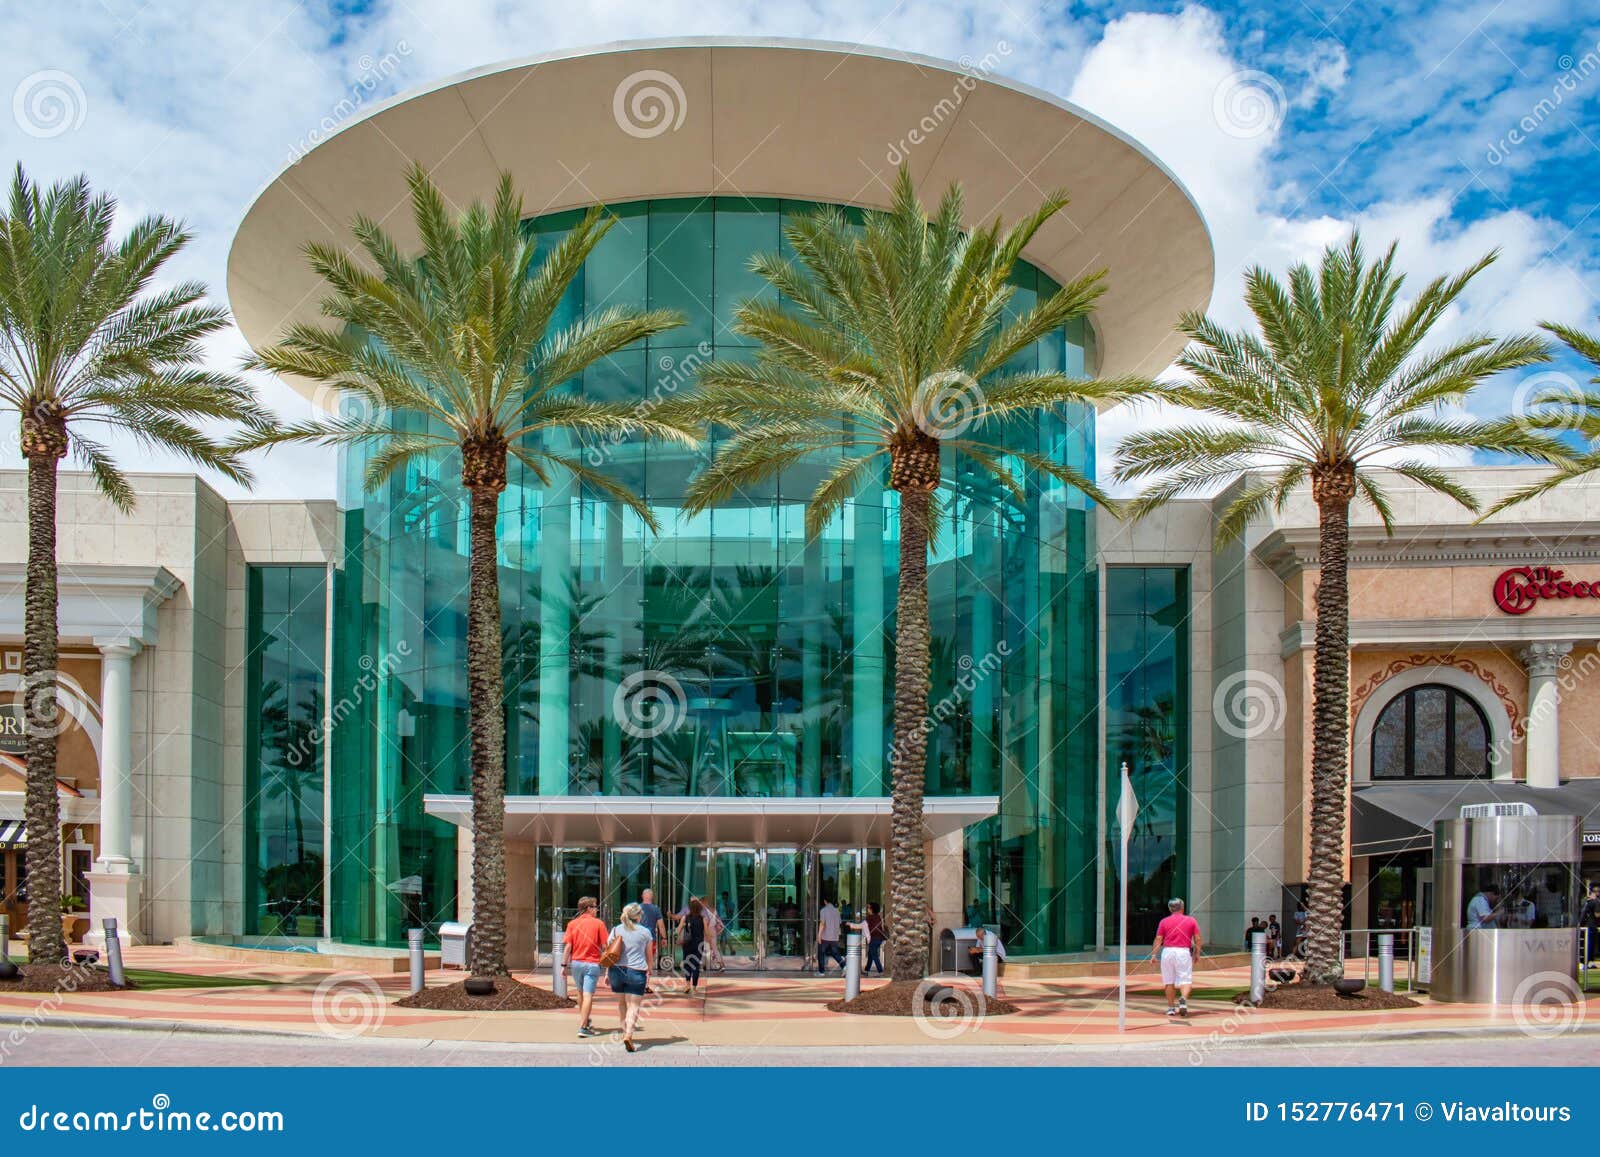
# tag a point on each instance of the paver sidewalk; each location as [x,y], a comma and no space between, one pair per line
[747,1010]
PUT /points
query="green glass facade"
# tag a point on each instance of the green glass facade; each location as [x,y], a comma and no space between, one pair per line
[726,655]
[1147,727]
[286,640]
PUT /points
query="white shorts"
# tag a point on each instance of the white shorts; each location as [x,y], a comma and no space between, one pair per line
[1177,966]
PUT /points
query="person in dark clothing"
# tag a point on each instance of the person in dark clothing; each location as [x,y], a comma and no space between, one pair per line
[1249,933]
[1589,920]
[692,939]
[872,926]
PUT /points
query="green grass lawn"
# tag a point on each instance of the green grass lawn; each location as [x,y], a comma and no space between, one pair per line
[154,980]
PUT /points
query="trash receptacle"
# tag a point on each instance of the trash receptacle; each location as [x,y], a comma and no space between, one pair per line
[455,942]
[947,950]
[965,940]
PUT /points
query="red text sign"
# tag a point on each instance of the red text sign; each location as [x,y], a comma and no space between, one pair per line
[1518,589]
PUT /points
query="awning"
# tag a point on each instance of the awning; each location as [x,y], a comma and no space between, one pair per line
[839,821]
[1389,818]
[13,833]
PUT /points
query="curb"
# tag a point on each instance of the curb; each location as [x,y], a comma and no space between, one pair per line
[1226,1044]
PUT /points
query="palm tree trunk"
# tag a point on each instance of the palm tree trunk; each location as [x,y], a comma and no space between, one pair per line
[1330,731]
[908,903]
[42,807]
[487,727]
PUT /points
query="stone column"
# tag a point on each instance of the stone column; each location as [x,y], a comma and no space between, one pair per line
[1542,740]
[115,884]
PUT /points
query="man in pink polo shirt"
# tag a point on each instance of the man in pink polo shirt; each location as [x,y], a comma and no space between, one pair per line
[1177,946]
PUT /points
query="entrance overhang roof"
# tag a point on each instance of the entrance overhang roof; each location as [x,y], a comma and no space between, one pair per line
[1390,818]
[753,118]
[833,821]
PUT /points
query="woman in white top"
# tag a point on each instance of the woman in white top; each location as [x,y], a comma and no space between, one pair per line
[628,975]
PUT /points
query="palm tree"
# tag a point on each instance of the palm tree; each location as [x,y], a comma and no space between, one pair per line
[1561,410]
[1336,390]
[87,344]
[892,343]
[455,343]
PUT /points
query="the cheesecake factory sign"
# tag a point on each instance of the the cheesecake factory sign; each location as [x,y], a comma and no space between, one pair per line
[1519,589]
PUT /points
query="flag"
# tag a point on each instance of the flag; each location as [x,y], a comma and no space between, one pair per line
[1127,806]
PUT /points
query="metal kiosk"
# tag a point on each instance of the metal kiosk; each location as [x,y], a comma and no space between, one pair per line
[1505,903]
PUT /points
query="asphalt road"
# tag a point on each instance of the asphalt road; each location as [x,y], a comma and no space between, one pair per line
[66,1045]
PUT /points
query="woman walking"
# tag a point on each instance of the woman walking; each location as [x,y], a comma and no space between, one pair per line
[692,938]
[632,945]
[872,925]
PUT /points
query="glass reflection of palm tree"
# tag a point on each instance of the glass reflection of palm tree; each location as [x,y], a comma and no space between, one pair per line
[289,764]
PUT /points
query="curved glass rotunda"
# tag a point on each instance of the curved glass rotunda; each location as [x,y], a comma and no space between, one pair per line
[706,711]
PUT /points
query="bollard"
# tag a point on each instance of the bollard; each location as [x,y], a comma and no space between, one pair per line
[1258,967]
[5,939]
[991,963]
[558,975]
[114,953]
[852,965]
[1386,961]
[414,939]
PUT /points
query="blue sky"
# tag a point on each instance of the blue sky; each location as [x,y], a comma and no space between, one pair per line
[1451,127]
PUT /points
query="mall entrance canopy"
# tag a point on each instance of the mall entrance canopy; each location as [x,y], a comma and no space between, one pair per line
[858,821]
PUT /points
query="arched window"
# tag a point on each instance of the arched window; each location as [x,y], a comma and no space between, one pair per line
[1431,732]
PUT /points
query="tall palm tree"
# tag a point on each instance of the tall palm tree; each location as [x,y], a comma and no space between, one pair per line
[87,344]
[892,344]
[1559,410]
[1336,390]
[450,351]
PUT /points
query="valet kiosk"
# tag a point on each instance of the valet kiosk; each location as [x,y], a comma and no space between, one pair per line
[1505,904]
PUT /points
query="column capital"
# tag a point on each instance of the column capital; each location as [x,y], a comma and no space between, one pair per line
[118,646]
[1544,658]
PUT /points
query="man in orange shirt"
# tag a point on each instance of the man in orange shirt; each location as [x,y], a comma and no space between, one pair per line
[584,941]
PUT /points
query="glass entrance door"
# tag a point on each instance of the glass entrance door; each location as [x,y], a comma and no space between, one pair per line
[786,893]
[734,898]
[629,871]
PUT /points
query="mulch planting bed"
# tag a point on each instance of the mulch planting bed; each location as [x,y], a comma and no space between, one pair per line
[1321,998]
[909,998]
[509,996]
[58,978]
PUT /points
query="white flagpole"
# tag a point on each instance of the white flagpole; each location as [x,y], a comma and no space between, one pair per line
[1122,907]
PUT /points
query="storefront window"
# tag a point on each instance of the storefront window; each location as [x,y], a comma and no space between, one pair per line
[1431,732]
[1517,896]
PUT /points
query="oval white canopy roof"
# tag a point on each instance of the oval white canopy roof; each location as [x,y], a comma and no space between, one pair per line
[760,118]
